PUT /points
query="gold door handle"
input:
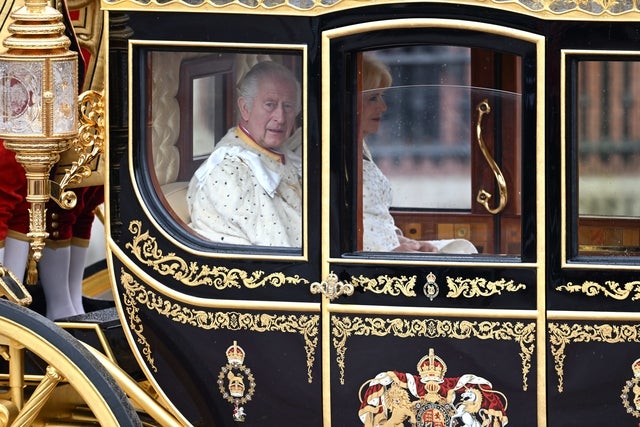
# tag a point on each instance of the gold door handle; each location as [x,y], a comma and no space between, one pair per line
[332,287]
[484,196]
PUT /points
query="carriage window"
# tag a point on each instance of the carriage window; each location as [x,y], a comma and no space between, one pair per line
[607,130]
[424,126]
[440,133]
[224,131]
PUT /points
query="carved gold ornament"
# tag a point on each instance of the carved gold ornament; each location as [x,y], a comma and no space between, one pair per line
[137,295]
[12,288]
[480,287]
[145,248]
[609,289]
[561,335]
[458,287]
[88,147]
[332,287]
[386,285]
[522,333]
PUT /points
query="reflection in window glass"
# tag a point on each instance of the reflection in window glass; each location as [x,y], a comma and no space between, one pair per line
[421,126]
[424,135]
[608,132]
[207,96]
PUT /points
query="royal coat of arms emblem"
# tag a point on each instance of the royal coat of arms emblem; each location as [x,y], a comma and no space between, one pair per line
[430,399]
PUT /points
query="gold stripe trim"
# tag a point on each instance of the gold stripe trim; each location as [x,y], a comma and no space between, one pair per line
[104,342]
[433,311]
[97,284]
[594,315]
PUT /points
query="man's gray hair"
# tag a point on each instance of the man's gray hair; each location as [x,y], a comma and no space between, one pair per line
[248,86]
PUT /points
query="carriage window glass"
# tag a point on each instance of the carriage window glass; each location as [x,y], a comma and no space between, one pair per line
[424,128]
[205,84]
[225,134]
[206,112]
[607,128]
[441,150]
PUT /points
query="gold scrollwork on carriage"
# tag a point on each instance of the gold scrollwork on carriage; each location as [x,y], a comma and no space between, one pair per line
[520,332]
[610,289]
[458,287]
[81,161]
[145,248]
[386,285]
[562,334]
[137,295]
[480,287]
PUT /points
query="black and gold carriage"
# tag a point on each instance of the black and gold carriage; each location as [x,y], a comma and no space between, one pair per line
[511,124]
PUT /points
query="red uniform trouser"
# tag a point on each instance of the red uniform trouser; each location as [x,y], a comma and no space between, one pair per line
[62,224]
[14,209]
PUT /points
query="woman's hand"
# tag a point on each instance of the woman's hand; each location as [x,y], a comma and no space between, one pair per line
[410,245]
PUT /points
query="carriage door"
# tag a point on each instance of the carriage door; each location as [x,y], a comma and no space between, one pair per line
[222,324]
[432,338]
[593,292]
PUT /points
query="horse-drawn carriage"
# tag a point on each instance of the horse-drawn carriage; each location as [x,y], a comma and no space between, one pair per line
[509,136]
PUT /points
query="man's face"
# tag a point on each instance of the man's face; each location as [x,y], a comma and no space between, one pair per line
[272,116]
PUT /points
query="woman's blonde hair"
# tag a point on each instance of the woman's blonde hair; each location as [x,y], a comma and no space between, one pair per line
[375,74]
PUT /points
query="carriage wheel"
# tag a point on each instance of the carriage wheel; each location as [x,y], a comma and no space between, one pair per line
[71,373]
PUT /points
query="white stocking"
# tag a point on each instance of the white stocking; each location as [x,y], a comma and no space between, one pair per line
[76,274]
[53,271]
[16,254]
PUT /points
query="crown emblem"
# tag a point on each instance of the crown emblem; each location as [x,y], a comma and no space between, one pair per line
[236,384]
[635,367]
[235,354]
[631,391]
[431,288]
[431,368]
[431,278]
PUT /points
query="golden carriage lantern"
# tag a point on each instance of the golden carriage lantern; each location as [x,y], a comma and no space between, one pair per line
[38,103]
